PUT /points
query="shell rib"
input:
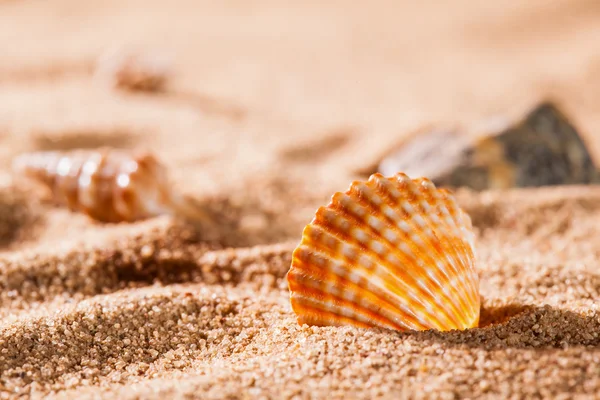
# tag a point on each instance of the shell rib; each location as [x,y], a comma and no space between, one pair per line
[109,185]
[390,252]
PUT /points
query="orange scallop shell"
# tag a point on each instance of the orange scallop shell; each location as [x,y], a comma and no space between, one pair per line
[109,185]
[390,252]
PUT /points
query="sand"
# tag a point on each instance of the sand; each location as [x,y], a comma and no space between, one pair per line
[272,107]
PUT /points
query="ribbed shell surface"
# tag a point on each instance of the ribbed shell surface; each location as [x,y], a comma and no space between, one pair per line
[390,252]
[109,185]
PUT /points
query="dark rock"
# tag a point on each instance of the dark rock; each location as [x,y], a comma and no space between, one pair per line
[542,149]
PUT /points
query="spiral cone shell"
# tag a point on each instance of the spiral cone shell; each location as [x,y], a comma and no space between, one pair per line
[109,185]
[390,252]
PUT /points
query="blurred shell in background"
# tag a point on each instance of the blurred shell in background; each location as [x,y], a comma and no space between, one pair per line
[134,70]
[542,149]
[109,185]
[391,253]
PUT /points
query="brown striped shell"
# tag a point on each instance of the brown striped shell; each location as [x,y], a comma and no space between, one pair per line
[109,185]
[390,252]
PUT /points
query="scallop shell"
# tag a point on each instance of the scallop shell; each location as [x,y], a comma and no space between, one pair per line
[390,252]
[109,185]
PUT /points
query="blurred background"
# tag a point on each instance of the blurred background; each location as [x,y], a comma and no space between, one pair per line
[305,90]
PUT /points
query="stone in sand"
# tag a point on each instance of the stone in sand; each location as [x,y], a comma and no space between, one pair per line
[542,149]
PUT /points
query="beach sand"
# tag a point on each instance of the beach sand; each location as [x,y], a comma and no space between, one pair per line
[271,108]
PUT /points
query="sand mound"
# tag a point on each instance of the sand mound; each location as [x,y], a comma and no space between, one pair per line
[151,314]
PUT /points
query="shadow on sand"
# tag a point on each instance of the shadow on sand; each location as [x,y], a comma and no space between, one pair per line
[520,326]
